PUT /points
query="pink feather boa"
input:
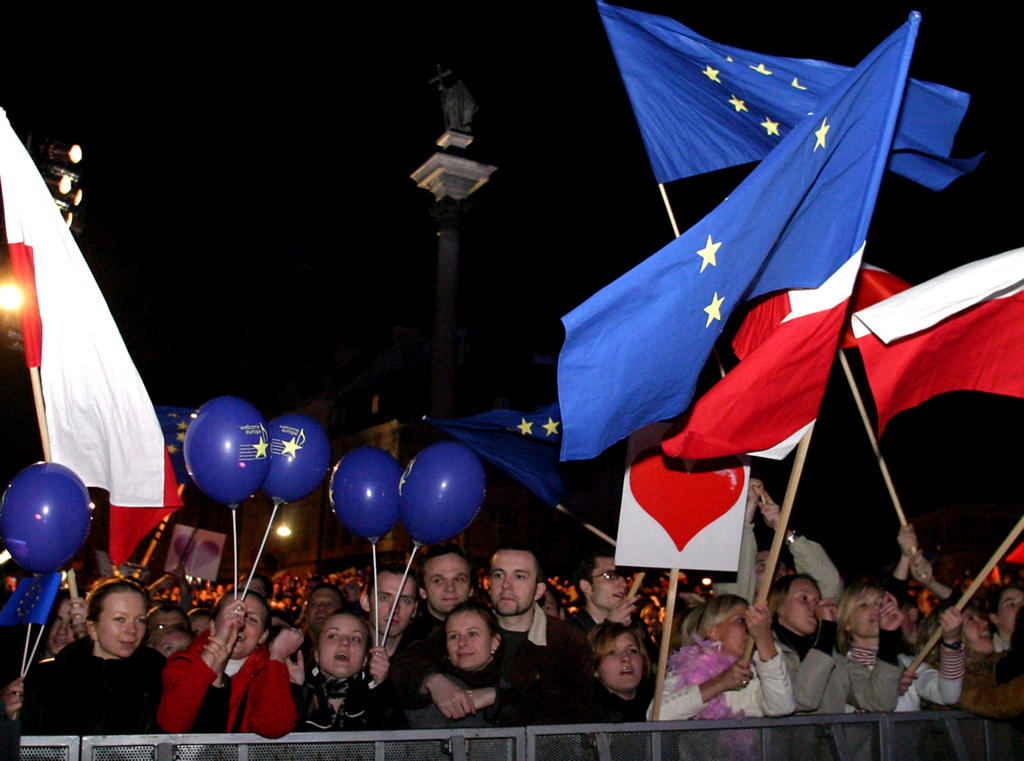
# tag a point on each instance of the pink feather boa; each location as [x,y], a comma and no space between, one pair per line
[696,665]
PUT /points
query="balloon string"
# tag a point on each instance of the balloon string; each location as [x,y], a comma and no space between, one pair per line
[259,554]
[234,542]
[398,597]
[26,665]
[376,596]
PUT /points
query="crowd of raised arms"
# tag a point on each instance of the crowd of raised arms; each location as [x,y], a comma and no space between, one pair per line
[454,646]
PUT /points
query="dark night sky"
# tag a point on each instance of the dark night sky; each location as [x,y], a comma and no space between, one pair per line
[249,204]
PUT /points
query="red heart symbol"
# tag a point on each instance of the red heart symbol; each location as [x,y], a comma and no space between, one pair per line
[683,502]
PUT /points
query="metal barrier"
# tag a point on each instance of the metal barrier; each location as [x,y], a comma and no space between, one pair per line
[850,737]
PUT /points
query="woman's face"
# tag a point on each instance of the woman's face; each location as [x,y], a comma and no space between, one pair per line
[799,610]
[622,667]
[731,631]
[341,650]
[470,643]
[863,623]
[977,633]
[121,625]
[60,630]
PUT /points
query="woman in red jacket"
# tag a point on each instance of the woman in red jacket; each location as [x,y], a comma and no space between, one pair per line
[228,680]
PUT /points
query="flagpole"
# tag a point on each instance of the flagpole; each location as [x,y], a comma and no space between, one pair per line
[666,641]
[780,528]
[668,209]
[25,666]
[871,437]
[37,397]
[588,526]
[975,586]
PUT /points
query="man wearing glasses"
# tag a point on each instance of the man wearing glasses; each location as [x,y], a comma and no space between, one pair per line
[604,593]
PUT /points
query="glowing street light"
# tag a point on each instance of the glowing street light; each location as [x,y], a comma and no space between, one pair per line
[283,530]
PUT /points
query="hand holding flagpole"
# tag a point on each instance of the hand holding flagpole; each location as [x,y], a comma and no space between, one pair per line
[971,590]
[780,529]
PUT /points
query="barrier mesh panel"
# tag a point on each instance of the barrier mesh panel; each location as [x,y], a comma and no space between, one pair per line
[491,749]
[1007,742]
[350,751]
[124,753]
[805,743]
[44,753]
[205,752]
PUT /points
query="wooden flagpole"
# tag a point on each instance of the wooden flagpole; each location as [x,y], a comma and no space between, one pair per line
[871,437]
[780,528]
[975,586]
[666,639]
[37,397]
[588,526]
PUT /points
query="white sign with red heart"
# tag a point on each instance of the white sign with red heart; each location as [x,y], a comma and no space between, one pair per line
[680,513]
[197,550]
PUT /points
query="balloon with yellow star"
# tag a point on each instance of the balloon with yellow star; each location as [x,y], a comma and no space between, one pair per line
[300,454]
[227,450]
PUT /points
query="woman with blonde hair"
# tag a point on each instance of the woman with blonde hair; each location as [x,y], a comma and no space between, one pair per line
[707,677]
[867,671]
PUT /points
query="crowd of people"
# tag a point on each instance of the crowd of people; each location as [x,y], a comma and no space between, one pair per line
[447,645]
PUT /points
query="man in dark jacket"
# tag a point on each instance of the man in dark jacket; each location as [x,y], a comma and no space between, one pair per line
[547,665]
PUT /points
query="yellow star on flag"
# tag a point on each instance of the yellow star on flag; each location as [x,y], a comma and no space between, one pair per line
[261,448]
[714,309]
[172,448]
[728,58]
[179,436]
[707,254]
[182,426]
[796,84]
[772,128]
[526,427]
[760,69]
[738,104]
[291,448]
[551,427]
[711,74]
[820,134]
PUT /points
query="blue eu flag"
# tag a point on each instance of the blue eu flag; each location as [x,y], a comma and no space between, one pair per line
[702,106]
[523,445]
[633,351]
[32,600]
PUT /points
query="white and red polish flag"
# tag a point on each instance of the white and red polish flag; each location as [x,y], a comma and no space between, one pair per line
[873,284]
[768,401]
[960,331]
[99,416]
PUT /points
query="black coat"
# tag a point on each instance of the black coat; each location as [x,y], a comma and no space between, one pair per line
[77,693]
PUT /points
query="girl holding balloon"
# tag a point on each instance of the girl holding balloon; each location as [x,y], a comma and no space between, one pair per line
[348,688]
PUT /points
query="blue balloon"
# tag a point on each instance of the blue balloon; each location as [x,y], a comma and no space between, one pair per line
[442,490]
[44,516]
[227,450]
[300,454]
[364,491]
